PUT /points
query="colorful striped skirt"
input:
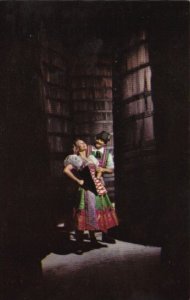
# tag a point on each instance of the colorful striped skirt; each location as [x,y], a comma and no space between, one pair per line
[94,212]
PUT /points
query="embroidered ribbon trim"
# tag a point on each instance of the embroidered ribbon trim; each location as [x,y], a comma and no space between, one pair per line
[101,190]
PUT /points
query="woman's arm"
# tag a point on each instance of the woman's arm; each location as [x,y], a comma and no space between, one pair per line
[104,170]
[68,171]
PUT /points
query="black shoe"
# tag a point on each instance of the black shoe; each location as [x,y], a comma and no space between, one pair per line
[79,252]
[93,241]
[79,248]
[108,239]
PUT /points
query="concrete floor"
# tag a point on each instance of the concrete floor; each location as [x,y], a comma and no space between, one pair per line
[116,272]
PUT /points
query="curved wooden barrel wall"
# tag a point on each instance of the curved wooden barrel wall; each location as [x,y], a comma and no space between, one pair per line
[134,135]
[92,101]
[136,102]
[56,101]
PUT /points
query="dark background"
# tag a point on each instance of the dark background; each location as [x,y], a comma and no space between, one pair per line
[27,201]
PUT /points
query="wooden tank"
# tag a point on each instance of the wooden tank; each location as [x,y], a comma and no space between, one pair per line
[56,102]
[134,134]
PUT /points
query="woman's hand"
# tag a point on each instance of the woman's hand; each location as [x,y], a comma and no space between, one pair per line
[80,181]
[99,175]
[100,170]
[104,170]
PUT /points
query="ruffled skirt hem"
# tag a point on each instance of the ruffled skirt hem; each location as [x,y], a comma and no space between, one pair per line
[105,219]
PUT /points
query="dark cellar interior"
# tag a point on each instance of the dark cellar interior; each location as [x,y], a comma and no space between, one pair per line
[59,48]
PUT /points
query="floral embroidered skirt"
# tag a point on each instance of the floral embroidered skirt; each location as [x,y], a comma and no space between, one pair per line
[94,212]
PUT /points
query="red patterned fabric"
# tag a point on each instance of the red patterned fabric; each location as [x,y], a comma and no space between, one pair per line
[105,219]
